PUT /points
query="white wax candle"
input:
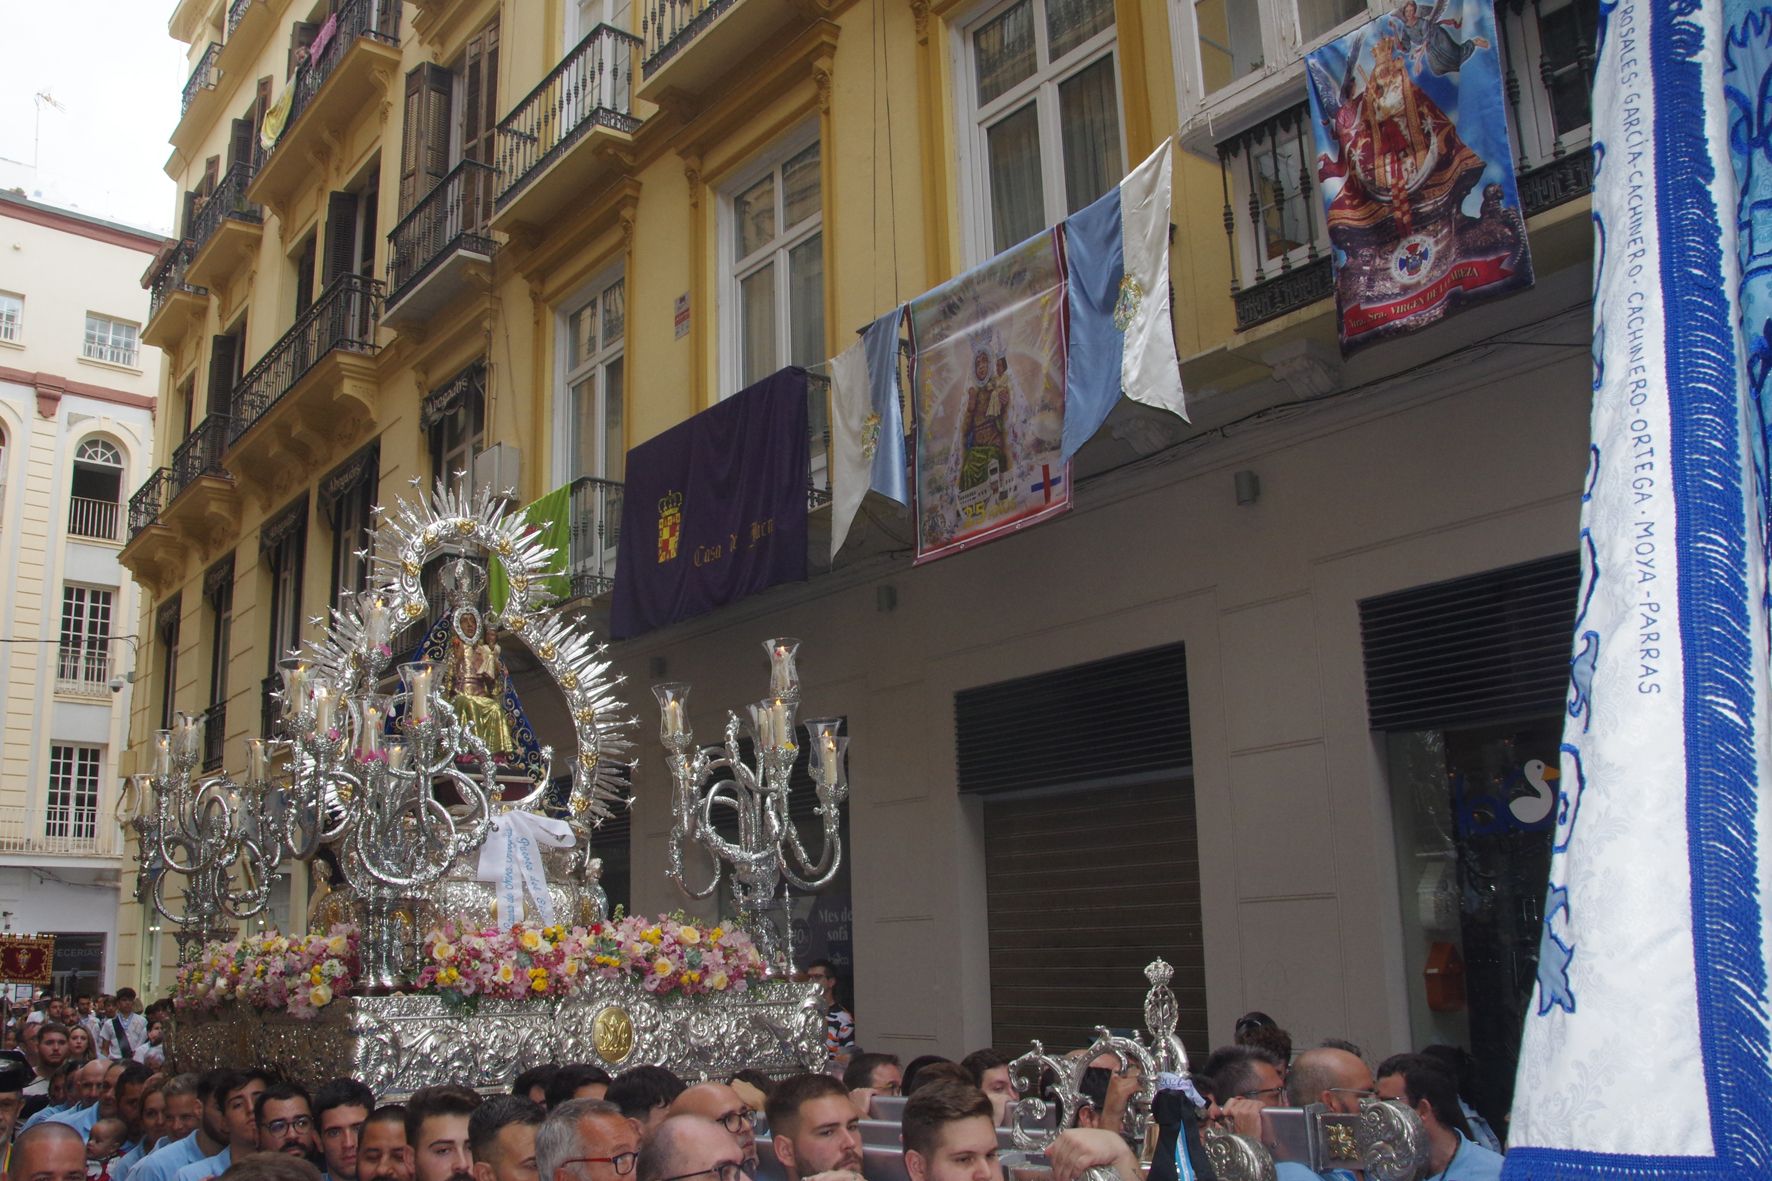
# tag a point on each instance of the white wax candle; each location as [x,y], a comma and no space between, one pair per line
[421,694]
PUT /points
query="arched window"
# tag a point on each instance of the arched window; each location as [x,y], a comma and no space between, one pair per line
[98,487]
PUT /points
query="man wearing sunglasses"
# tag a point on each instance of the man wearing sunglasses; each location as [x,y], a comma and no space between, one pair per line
[720,1103]
[587,1140]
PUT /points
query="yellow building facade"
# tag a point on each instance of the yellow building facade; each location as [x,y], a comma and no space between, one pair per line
[515,238]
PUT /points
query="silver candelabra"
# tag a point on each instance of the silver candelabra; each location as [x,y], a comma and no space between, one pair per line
[766,857]
[222,838]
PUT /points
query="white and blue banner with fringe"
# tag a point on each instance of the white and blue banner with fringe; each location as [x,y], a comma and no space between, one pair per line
[1647,1051]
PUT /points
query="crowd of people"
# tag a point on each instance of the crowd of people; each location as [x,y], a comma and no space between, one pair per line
[113,1115]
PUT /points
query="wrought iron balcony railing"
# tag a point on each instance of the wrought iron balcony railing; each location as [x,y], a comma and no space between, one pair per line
[170,277]
[344,317]
[668,25]
[450,217]
[227,201]
[376,19]
[596,531]
[90,517]
[145,506]
[237,13]
[591,87]
[204,77]
[201,453]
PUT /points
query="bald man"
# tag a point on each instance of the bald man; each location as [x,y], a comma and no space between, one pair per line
[1336,1079]
[720,1103]
[690,1146]
[48,1152]
[84,1093]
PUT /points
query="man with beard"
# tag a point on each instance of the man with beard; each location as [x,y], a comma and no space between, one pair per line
[126,1098]
[437,1128]
[501,1135]
[816,1129]
[285,1120]
[720,1103]
[382,1153]
[684,1146]
[188,1108]
[341,1108]
[52,1051]
[235,1101]
[586,1140]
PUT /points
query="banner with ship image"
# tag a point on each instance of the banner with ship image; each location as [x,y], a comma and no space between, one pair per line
[1415,169]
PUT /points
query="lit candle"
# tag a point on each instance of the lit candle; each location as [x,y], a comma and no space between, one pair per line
[255,760]
[323,707]
[673,718]
[778,723]
[421,693]
[827,757]
[295,686]
[397,751]
[372,715]
[162,752]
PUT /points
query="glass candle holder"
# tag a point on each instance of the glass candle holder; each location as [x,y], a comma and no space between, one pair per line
[325,707]
[258,760]
[784,678]
[162,752]
[188,737]
[673,713]
[378,618]
[397,751]
[369,716]
[828,748]
[418,680]
[297,675]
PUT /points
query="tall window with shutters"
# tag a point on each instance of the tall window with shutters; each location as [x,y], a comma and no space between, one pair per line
[350,244]
[227,361]
[166,636]
[347,496]
[595,331]
[1044,135]
[219,591]
[284,546]
[452,116]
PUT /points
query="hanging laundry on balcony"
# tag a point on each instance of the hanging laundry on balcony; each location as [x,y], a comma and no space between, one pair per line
[1122,339]
[271,127]
[715,508]
[867,435]
[551,519]
[989,367]
[1415,170]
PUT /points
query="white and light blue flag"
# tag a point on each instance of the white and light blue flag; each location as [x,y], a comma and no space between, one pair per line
[1121,337]
[867,424]
[1647,1051]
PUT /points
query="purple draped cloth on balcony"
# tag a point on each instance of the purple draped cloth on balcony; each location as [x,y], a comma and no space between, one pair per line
[715,508]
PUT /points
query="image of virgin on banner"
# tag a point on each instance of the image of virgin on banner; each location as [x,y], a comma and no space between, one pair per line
[989,374]
[1415,169]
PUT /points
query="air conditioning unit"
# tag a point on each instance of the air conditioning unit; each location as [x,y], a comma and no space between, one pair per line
[499,467]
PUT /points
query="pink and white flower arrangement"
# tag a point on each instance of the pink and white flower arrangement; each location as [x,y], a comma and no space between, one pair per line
[273,973]
[669,955]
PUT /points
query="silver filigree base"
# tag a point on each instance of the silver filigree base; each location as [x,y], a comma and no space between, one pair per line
[396,1044]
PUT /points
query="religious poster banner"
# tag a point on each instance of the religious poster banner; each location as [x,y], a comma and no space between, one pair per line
[1658,976]
[989,378]
[1415,169]
[27,959]
[714,509]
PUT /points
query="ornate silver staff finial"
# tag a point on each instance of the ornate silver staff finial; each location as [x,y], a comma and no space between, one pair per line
[1160,1016]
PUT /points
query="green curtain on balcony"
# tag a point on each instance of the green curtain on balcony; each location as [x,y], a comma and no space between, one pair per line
[551,516]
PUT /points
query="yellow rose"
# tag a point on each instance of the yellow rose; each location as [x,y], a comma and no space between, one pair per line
[662,967]
[442,950]
[338,945]
[717,934]
[570,967]
[539,984]
[320,996]
[689,935]
[530,940]
[504,975]
[718,981]
[651,935]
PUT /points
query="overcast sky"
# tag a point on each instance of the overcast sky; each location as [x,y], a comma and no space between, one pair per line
[117,73]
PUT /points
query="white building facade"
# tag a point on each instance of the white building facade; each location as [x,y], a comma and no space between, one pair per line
[77,396]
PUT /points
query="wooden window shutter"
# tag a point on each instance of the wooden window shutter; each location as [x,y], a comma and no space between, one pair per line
[368,206]
[192,196]
[211,174]
[300,37]
[341,235]
[222,358]
[241,137]
[304,277]
[480,97]
[424,142]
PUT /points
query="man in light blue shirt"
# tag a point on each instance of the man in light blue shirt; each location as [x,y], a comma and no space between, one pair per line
[83,1090]
[239,1109]
[103,1104]
[1336,1079]
[209,1137]
[1433,1092]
